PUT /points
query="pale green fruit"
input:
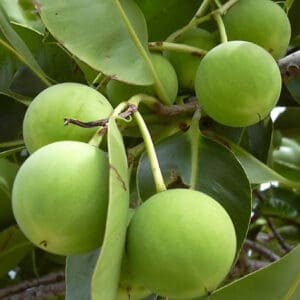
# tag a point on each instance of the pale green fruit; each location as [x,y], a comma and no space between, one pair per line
[44,119]
[60,197]
[8,171]
[262,22]
[118,91]
[181,244]
[238,83]
[186,64]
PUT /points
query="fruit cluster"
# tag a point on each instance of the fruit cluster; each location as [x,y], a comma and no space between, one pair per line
[180,243]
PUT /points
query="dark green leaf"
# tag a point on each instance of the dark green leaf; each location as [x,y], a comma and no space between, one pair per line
[107,272]
[216,175]
[13,248]
[281,203]
[96,33]
[163,18]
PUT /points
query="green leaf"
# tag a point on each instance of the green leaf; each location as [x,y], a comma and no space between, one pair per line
[21,12]
[279,280]
[293,86]
[107,272]
[79,271]
[96,33]
[288,123]
[281,203]
[16,45]
[215,170]
[11,151]
[258,172]
[13,248]
[163,18]
[8,171]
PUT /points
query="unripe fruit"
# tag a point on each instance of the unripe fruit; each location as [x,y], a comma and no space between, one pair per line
[44,119]
[118,91]
[60,197]
[262,22]
[186,64]
[181,243]
[238,83]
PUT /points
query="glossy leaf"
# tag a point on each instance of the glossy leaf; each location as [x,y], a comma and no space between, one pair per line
[96,33]
[16,45]
[281,203]
[258,172]
[279,280]
[21,12]
[14,246]
[107,272]
[163,18]
[293,86]
[8,171]
[79,271]
[288,123]
[215,169]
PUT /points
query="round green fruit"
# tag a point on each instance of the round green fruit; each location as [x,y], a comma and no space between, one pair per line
[238,83]
[181,244]
[8,171]
[118,91]
[262,22]
[186,64]
[44,119]
[286,159]
[60,197]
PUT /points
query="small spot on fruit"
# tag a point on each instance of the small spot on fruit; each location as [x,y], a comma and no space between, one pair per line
[43,243]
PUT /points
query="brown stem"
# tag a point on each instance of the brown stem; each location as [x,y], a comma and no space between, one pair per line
[284,245]
[41,288]
[267,253]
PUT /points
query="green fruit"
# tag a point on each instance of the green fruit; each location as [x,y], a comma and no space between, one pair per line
[60,197]
[238,83]
[286,159]
[8,171]
[186,64]
[181,243]
[118,91]
[44,119]
[262,22]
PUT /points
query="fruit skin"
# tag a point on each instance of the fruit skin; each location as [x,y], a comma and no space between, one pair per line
[8,171]
[238,83]
[181,243]
[44,119]
[186,64]
[118,92]
[60,197]
[262,22]
[286,159]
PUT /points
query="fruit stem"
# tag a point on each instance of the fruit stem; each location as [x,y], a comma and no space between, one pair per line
[177,48]
[156,172]
[194,135]
[201,11]
[221,26]
[159,88]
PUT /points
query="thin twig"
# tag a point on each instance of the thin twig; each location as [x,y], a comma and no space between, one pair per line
[267,253]
[285,246]
[50,284]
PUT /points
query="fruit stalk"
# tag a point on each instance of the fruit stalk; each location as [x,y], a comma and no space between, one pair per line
[222,31]
[157,175]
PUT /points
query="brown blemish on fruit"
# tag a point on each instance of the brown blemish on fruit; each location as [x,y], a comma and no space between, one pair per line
[43,243]
[197,54]
[119,177]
